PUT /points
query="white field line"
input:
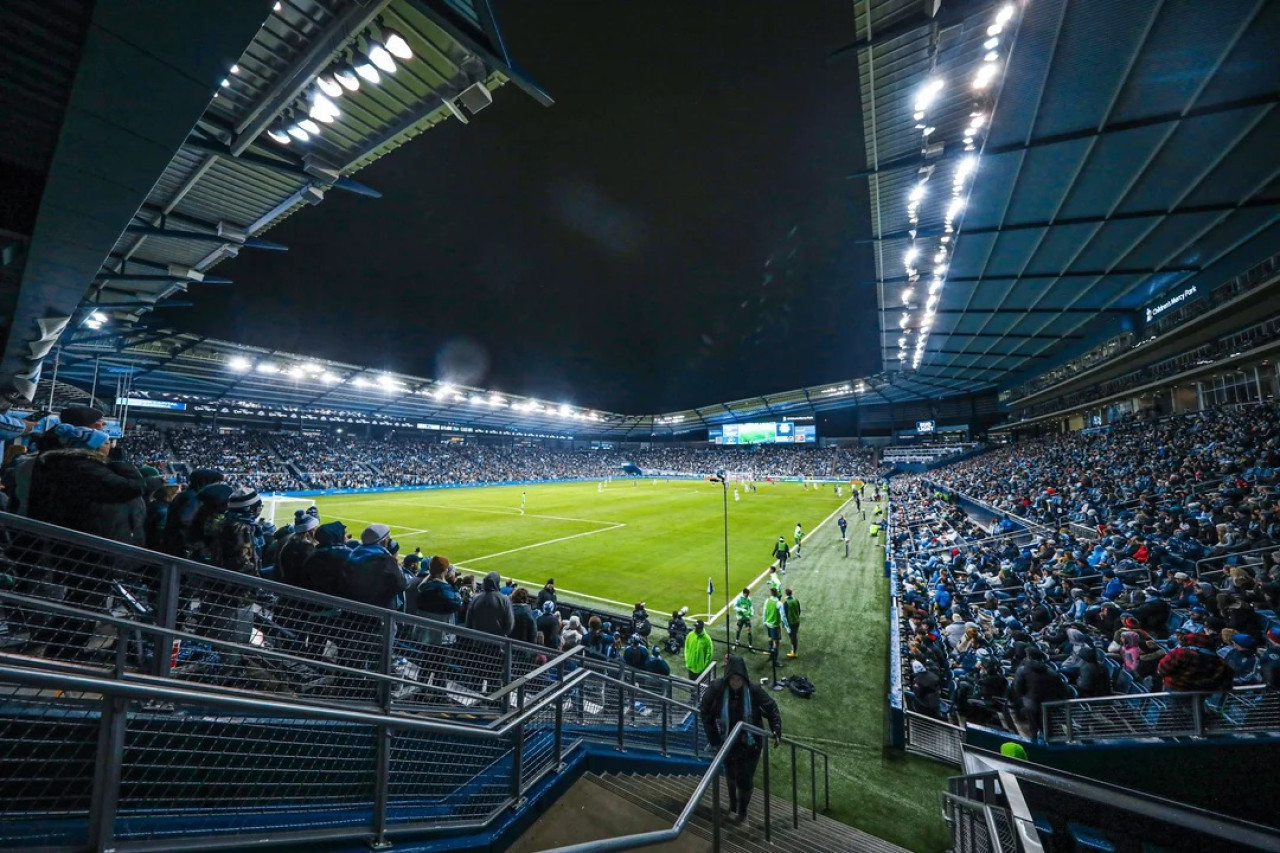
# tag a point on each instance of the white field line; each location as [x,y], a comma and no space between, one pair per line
[614,526]
[408,531]
[765,573]
[496,511]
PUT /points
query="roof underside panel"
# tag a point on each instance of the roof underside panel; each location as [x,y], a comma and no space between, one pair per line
[1125,139]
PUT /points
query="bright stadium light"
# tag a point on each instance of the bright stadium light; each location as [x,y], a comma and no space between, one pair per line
[928,93]
[365,69]
[322,108]
[347,78]
[295,372]
[1005,15]
[309,126]
[329,378]
[910,256]
[280,135]
[313,369]
[267,368]
[360,382]
[565,410]
[298,133]
[239,364]
[396,44]
[328,83]
[917,192]
[381,57]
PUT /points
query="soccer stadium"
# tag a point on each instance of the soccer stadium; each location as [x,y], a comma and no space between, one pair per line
[398,453]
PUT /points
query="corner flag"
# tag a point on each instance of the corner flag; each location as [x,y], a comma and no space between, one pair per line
[710,587]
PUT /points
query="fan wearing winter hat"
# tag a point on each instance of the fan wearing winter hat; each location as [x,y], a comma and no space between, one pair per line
[296,549]
[374,577]
[74,486]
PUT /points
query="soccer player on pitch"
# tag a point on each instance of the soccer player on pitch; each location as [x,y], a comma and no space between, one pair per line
[745,610]
[799,536]
[523,497]
[782,552]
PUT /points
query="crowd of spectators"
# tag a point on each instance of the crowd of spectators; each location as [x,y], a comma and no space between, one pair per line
[1108,591]
[284,461]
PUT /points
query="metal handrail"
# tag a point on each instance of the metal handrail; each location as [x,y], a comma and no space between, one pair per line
[661,836]
[1229,555]
[149,687]
[160,562]
[1183,814]
[1198,700]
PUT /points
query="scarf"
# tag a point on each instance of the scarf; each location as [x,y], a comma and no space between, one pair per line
[725,725]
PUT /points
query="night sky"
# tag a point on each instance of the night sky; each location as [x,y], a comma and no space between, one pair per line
[676,231]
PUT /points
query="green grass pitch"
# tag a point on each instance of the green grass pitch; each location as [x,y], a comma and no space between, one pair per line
[631,541]
[637,541]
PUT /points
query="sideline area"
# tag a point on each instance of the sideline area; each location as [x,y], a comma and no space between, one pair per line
[844,641]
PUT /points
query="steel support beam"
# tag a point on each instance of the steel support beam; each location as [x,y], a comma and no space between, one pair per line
[199,236]
[951,14]
[973,279]
[1078,220]
[917,160]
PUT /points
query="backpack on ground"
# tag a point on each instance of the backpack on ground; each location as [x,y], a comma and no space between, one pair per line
[800,686]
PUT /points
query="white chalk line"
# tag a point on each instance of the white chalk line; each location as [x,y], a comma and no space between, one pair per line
[765,573]
[491,510]
[615,526]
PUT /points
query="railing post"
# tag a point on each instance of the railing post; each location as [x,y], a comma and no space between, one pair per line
[715,814]
[106,773]
[382,781]
[795,792]
[622,709]
[517,755]
[767,795]
[826,782]
[166,617]
[506,663]
[559,733]
[666,714]
[1071,729]
[813,784]
[1197,714]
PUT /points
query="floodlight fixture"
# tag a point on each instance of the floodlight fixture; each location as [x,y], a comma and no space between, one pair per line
[364,67]
[381,57]
[347,77]
[267,368]
[280,135]
[309,126]
[239,363]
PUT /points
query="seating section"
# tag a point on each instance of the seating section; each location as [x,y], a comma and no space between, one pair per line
[1129,560]
[282,461]
[924,454]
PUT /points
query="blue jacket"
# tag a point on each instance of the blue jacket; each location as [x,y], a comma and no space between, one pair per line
[438,600]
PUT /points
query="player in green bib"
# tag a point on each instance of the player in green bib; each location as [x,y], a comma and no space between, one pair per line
[799,537]
[745,610]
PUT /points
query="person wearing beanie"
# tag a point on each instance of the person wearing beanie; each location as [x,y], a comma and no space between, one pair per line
[636,653]
[373,576]
[698,650]
[325,567]
[655,664]
[547,593]
[571,634]
[549,625]
[1242,657]
[75,487]
[295,551]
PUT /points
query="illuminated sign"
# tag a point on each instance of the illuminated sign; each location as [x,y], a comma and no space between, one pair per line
[143,403]
[1154,311]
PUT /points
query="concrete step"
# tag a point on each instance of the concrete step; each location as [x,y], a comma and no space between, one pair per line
[666,795]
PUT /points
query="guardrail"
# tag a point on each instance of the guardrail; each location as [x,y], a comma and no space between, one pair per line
[84,601]
[710,780]
[1245,710]
[1205,571]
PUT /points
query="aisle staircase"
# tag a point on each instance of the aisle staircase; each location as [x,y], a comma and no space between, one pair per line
[666,795]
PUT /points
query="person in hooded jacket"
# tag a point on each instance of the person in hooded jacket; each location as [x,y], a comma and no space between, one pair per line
[1036,684]
[490,611]
[324,569]
[175,539]
[728,701]
[1092,678]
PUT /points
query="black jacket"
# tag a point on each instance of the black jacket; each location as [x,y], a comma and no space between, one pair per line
[372,576]
[762,705]
[78,490]
[549,627]
[1035,682]
[1093,679]
[490,611]
[292,557]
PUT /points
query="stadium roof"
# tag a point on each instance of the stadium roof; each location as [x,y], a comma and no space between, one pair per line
[1124,150]
[250,135]
[213,376]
